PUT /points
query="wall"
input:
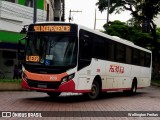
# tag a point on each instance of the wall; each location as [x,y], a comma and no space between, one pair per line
[12,18]
[40,3]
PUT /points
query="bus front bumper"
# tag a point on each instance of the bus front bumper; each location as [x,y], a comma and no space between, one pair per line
[65,87]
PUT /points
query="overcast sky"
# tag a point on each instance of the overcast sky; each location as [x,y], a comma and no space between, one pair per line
[87,16]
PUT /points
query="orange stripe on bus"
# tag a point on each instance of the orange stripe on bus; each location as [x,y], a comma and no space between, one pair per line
[45,77]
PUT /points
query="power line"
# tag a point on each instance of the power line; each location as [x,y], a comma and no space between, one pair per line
[71,12]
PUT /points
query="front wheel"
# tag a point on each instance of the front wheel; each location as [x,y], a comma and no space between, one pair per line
[95,90]
[53,94]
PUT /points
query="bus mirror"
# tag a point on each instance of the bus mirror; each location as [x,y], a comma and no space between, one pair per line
[24,30]
[19,48]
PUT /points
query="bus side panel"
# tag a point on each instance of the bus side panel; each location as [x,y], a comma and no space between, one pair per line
[145,77]
[142,74]
[88,74]
[99,69]
[118,75]
[84,80]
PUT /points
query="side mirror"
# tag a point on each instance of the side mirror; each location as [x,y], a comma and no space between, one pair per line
[24,29]
[20,48]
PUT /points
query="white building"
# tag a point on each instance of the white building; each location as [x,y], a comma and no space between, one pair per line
[14,14]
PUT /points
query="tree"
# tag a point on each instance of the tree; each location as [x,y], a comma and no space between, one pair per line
[131,33]
[142,11]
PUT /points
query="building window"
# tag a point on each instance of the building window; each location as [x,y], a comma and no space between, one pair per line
[9,54]
[29,3]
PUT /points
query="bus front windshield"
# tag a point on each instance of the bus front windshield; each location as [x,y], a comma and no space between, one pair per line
[52,50]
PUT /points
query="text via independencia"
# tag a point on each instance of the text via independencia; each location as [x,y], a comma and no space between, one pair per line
[55,28]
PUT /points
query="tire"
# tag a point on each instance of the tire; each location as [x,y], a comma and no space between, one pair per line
[134,88]
[53,94]
[95,91]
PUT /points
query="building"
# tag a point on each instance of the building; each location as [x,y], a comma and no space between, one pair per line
[14,14]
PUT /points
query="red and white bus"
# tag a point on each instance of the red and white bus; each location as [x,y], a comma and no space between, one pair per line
[65,57]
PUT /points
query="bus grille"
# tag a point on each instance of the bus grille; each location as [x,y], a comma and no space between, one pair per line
[41,84]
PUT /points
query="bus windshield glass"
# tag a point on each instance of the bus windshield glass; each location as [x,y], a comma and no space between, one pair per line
[51,50]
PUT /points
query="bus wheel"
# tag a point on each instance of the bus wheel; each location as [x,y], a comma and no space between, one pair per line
[53,94]
[134,88]
[95,90]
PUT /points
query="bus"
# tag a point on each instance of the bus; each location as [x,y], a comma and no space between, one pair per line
[67,57]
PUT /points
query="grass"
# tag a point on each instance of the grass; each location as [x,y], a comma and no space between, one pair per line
[156,81]
[10,80]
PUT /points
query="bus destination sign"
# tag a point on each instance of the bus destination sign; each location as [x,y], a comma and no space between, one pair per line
[52,28]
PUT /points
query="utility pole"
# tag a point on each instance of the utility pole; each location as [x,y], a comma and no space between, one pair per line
[108,15]
[95,20]
[47,17]
[35,11]
[71,12]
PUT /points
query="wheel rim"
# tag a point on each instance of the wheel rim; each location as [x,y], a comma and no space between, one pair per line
[134,88]
[94,91]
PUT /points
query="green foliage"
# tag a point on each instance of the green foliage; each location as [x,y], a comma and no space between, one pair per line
[140,10]
[10,80]
[143,12]
[156,80]
[134,33]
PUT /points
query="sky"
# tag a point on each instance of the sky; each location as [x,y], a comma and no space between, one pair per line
[87,16]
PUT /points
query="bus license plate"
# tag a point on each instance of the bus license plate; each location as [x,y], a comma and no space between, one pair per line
[42,86]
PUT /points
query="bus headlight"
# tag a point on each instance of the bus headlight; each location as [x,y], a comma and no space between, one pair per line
[67,78]
[23,69]
[25,77]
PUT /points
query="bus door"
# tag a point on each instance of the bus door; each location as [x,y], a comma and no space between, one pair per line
[84,61]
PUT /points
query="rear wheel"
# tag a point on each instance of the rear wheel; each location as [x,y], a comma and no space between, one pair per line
[53,94]
[134,88]
[95,90]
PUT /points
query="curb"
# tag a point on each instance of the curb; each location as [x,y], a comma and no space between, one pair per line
[9,86]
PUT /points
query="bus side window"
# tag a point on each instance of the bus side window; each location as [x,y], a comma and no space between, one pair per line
[85,48]
[128,55]
[85,52]
[147,60]
[110,51]
[120,53]
[142,58]
[99,48]
[135,57]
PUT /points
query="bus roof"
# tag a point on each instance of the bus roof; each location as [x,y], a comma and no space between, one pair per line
[114,38]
